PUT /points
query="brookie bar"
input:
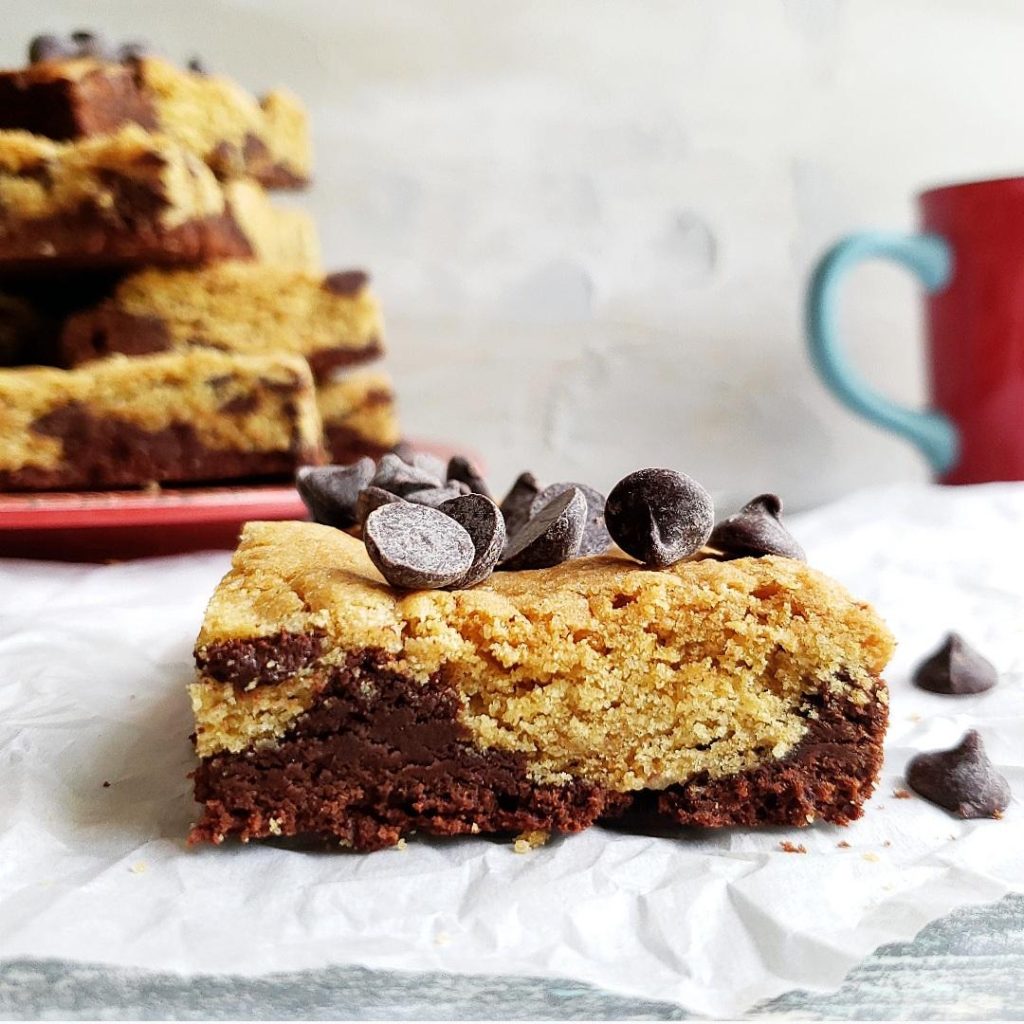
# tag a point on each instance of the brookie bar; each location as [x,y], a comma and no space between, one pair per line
[330,704]
[66,97]
[332,320]
[201,416]
[130,199]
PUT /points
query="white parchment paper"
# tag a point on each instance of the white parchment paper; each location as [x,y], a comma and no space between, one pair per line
[93,665]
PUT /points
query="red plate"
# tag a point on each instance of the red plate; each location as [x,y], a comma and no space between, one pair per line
[98,526]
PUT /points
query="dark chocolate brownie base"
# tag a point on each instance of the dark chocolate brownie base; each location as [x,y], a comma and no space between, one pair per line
[367,770]
[107,452]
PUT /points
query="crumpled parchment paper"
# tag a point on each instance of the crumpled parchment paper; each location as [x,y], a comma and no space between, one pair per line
[93,666]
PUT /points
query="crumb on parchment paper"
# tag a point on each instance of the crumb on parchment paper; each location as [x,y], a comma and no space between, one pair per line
[787,847]
[872,857]
[843,844]
[901,794]
[527,841]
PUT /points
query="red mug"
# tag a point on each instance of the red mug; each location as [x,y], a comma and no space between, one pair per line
[970,258]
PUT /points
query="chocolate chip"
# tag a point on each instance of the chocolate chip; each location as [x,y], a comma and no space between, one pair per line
[46,47]
[371,498]
[596,540]
[963,780]
[331,492]
[460,468]
[197,66]
[346,282]
[956,668]
[435,496]
[483,521]
[133,50]
[516,505]
[756,530]
[553,535]
[400,477]
[89,44]
[659,516]
[430,464]
[417,547]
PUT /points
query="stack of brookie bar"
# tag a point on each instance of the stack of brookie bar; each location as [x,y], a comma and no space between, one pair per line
[161,319]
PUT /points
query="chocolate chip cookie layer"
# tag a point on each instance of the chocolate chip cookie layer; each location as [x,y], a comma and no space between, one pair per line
[330,704]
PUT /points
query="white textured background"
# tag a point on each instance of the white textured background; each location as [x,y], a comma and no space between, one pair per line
[592,222]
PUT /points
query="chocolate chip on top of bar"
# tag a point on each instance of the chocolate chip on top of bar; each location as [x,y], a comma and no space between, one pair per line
[657,516]
[83,44]
[756,530]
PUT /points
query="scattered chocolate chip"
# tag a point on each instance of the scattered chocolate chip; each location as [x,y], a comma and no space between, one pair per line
[963,780]
[133,50]
[435,496]
[756,530]
[331,492]
[659,516]
[197,65]
[553,535]
[399,477]
[460,468]
[346,282]
[596,540]
[370,498]
[956,668]
[46,47]
[483,521]
[89,44]
[516,505]
[416,547]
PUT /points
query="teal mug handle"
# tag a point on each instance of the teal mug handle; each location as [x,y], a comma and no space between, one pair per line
[931,259]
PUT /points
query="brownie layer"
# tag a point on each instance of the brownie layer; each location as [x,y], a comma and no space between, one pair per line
[264,660]
[381,755]
[103,452]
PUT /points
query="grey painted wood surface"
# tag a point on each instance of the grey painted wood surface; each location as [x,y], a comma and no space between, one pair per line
[967,966]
